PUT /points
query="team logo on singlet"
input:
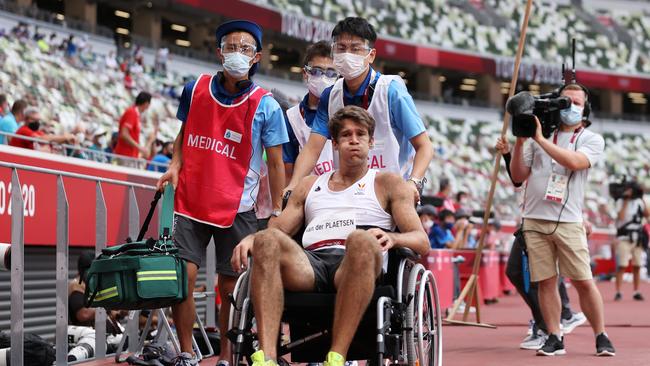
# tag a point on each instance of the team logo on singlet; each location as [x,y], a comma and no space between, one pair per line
[360,189]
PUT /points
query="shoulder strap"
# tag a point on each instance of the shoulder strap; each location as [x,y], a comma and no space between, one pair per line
[167,212]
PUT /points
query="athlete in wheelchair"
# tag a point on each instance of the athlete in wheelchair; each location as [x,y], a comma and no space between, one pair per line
[350,256]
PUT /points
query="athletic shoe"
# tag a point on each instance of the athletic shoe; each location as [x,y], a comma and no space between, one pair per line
[552,347]
[618,296]
[258,360]
[334,359]
[604,346]
[223,363]
[638,297]
[186,359]
[576,320]
[534,341]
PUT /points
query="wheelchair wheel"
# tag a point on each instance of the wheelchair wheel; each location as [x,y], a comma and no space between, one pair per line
[240,321]
[423,320]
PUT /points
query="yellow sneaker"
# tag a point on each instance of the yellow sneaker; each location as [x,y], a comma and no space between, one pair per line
[258,359]
[334,359]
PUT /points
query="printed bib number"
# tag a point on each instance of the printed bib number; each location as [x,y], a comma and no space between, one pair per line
[556,188]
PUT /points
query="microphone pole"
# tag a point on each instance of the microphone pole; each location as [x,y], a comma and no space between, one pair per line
[471,287]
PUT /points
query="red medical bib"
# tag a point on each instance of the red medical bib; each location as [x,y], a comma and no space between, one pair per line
[217,150]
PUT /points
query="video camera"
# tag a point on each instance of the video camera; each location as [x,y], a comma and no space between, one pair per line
[617,190]
[524,106]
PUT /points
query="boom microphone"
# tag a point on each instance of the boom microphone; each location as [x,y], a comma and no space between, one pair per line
[520,103]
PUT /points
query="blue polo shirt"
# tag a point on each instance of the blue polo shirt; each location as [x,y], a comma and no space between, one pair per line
[291,149]
[7,124]
[439,237]
[404,118]
[269,129]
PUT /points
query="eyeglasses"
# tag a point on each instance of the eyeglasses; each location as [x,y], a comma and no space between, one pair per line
[356,48]
[318,71]
[246,49]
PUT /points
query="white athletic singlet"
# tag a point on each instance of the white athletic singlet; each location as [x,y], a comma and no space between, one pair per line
[331,216]
[385,153]
[325,161]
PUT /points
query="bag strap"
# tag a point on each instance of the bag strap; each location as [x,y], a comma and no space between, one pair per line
[167,212]
[147,220]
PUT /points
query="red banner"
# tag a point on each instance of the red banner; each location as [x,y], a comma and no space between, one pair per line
[40,198]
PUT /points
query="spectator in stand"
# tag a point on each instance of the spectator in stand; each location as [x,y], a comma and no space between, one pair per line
[110,148]
[128,80]
[9,123]
[128,143]
[442,233]
[71,49]
[461,201]
[427,215]
[162,54]
[4,105]
[445,194]
[110,61]
[32,129]
[164,156]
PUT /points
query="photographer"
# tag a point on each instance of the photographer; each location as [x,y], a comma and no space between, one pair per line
[631,240]
[556,171]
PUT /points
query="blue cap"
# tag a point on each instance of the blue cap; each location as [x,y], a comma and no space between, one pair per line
[244,26]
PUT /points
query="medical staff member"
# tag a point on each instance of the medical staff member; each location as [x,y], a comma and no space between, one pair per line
[228,121]
[401,144]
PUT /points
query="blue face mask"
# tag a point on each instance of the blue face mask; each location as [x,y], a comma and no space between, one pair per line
[571,116]
[448,225]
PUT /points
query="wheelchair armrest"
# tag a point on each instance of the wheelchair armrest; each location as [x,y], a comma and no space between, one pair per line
[406,253]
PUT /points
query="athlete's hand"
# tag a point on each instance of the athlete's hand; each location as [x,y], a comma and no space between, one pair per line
[171,175]
[384,239]
[239,260]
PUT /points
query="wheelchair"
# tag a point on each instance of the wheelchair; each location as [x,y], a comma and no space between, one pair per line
[402,324]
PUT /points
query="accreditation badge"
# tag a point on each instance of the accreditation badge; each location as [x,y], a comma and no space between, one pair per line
[556,188]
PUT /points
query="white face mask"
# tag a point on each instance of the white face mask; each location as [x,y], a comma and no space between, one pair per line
[350,65]
[571,116]
[428,224]
[236,64]
[316,84]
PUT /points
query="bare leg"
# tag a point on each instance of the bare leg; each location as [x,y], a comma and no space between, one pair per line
[278,263]
[549,301]
[636,273]
[591,303]
[355,283]
[226,285]
[619,278]
[183,313]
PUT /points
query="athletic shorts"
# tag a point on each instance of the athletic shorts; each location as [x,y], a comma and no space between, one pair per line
[626,251]
[565,249]
[325,262]
[192,238]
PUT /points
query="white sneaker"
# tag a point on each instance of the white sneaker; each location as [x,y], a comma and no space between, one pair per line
[534,341]
[461,308]
[576,320]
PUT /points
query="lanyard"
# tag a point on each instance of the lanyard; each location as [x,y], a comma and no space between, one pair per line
[573,138]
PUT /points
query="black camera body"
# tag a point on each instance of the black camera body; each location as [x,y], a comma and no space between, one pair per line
[617,190]
[524,106]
